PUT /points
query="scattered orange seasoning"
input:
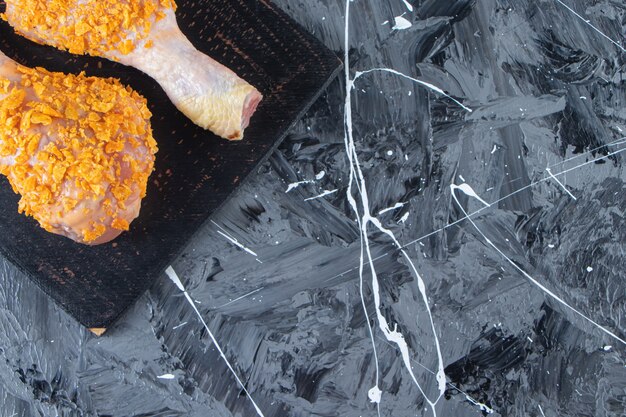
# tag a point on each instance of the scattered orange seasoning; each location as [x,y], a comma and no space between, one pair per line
[96,230]
[62,151]
[93,26]
[120,224]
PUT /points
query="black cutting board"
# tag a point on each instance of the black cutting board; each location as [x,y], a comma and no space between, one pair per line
[195,171]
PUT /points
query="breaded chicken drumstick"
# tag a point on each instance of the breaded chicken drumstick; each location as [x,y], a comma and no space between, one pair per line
[79,150]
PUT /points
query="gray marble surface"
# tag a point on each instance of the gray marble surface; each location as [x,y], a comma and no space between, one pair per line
[524,299]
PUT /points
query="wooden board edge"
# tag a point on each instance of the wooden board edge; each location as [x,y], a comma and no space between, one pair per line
[98,331]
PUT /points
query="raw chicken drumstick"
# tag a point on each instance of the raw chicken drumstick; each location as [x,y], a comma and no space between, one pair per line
[143,34]
[79,150]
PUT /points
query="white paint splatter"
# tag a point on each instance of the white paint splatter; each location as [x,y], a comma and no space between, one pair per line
[234,241]
[523,272]
[519,190]
[401,23]
[495,148]
[541,410]
[295,185]
[458,221]
[481,406]
[375,394]
[469,191]
[364,220]
[404,218]
[324,194]
[560,183]
[176,280]
[241,298]
[619,141]
[388,209]
[408,5]
[589,269]
[166,376]
[349,147]
[429,86]
[607,348]
[179,326]
[591,25]
[174,277]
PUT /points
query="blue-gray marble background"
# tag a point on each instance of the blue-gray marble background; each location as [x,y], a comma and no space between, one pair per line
[542,145]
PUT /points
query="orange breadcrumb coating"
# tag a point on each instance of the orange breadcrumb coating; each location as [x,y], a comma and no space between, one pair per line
[104,25]
[65,139]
